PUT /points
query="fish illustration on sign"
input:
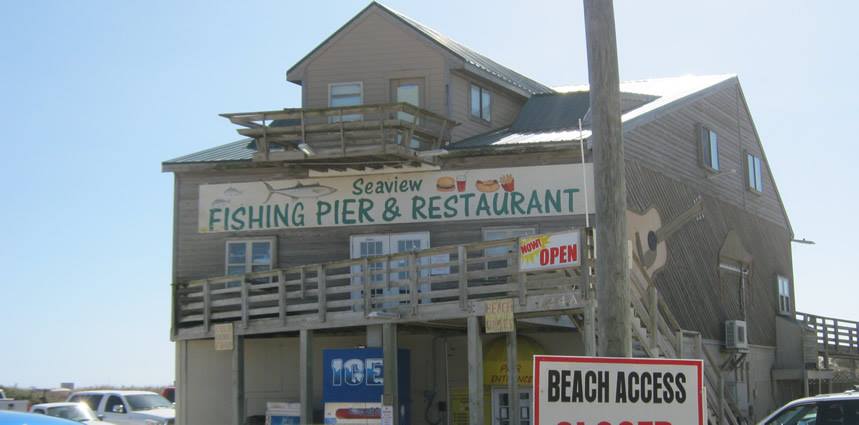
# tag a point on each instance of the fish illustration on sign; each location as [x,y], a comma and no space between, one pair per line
[220,203]
[298,191]
[232,192]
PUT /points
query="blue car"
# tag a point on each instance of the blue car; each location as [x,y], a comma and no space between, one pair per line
[19,418]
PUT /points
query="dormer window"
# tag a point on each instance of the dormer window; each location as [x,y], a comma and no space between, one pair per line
[481,103]
[709,149]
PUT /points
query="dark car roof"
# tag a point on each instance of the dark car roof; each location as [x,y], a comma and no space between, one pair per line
[19,418]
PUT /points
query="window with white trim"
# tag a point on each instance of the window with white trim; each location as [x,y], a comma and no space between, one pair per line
[498,233]
[709,148]
[783,295]
[249,256]
[346,94]
[481,103]
[754,165]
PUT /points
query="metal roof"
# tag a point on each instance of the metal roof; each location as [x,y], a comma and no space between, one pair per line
[484,66]
[240,150]
[552,112]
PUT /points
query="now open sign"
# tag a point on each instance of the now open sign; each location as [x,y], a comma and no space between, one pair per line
[550,251]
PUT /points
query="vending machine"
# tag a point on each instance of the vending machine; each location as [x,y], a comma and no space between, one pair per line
[354,382]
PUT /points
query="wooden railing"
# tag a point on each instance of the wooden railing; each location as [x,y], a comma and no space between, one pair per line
[442,281]
[364,130]
[834,336]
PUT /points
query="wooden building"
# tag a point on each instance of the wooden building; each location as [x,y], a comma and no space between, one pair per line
[385,213]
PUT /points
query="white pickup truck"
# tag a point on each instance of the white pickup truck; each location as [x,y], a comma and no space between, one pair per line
[128,407]
[10,404]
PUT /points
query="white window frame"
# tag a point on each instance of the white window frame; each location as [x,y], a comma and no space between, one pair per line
[783,289]
[349,117]
[249,252]
[705,142]
[754,173]
[482,115]
[513,232]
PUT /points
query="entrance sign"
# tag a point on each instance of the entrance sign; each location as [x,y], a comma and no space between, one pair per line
[550,251]
[516,192]
[617,391]
[499,316]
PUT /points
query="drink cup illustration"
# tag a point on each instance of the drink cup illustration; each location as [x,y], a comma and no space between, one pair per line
[460,183]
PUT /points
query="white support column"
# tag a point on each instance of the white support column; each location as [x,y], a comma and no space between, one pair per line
[475,372]
[513,377]
[181,381]
[391,369]
[238,379]
[305,378]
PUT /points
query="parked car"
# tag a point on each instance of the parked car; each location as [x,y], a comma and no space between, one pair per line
[23,418]
[75,411]
[12,404]
[128,407]
[826,409]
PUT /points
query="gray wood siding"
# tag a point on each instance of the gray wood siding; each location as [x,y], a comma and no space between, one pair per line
[505,108]
[670,144]
[374,50]
[690,281]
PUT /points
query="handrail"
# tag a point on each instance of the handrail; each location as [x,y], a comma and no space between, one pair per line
[835,336]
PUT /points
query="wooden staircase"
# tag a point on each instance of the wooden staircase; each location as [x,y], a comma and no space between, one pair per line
[656,333]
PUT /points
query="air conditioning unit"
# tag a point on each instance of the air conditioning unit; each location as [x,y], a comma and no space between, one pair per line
[736,337]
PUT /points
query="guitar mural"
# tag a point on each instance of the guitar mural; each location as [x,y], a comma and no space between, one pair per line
[648,234]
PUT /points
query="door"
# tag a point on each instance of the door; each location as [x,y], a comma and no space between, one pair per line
[501,412]
[373,245]
[411,91]
[116,410]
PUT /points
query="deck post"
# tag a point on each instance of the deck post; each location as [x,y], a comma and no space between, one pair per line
[513,377]
[462,254]
[475,372]
[653,300]
[589,332]
[238,378]
[391,369]
[305,378]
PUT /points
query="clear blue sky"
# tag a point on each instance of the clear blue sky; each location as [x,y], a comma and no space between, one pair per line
[94,95]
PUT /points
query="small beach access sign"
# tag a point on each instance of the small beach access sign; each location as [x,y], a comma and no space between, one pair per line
[571,390]
[550,251]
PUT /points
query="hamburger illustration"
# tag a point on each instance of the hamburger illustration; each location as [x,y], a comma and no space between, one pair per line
[487,185]
[445,184]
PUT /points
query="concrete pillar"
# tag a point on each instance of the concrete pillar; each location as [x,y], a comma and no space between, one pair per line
[475,372]
[305,378]
[238,379]
[513,377]
[391,369]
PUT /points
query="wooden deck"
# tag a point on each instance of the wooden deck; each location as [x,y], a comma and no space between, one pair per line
[441,283]
[382,133]
[835,337]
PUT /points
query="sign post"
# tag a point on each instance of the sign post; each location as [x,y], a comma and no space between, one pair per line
[571,390]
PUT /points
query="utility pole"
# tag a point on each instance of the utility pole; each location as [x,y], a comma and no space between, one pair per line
[612,263]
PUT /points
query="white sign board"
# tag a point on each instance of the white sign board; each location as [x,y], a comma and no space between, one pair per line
[387,415]
[542,191]
[550,251]
[617,391]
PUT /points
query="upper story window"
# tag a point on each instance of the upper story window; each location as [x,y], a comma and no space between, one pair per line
[755,173]
[481,103]
[709,148]
[249,256]
[783,295]
[346,94]
[498,233]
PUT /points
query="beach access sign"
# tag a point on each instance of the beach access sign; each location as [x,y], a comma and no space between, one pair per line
[550,251]
[542,191]
[617,391]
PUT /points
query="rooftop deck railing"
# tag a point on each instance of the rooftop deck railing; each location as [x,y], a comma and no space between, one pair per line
[422,285]
[834,336]
[398,129]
